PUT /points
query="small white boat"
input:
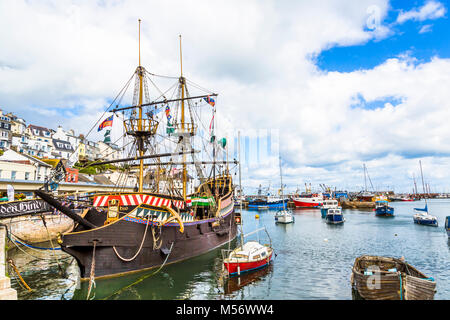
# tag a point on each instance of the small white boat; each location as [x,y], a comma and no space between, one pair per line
[249,256]
[284,216]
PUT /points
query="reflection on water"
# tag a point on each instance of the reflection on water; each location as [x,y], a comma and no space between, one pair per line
[233,285]
[313,261]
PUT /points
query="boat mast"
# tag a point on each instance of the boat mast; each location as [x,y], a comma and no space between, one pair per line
[423,185]
[365,181]
[141,141]
[281,180]
[240,189]
[182,83]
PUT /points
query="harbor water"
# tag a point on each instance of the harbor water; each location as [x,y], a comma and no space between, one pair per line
[313,261]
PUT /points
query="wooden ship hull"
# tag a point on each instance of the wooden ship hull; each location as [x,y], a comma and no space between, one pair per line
[373,280]
[135,243]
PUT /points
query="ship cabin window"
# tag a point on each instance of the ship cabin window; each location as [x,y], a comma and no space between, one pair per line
[263,254]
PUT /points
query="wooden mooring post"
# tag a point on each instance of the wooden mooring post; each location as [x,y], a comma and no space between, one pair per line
[6,292]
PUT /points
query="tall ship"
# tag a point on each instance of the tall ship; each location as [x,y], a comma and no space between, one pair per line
[166,219]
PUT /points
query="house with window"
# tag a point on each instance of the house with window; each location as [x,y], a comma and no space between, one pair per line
[5,131]
[109,151]
[39,141]
[61,149]
[18,166]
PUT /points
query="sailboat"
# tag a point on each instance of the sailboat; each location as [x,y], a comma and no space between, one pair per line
[423,217]
[283,216]
[251,255]
[124,232]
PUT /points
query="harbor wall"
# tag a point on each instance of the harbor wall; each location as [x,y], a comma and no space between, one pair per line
[31,228]
[6,292]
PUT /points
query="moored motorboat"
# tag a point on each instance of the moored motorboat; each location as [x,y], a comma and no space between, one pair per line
[382,209]
[385,278]
[334,216]
[284,216]
[327,204]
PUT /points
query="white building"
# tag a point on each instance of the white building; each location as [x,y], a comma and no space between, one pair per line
[17,166]
[5,131]
[61,149]
[109,151]
[39,141]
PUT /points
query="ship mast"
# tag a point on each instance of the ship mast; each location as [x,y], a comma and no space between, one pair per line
[182,83]
[141,142]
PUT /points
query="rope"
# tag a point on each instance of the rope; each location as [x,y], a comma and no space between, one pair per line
[34,247]
[140,247]
[155,240]
[92,275]
[144,277]
[63,274]
[18,274]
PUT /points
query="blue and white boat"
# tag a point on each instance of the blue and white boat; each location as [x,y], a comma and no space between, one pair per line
[334,216]
[268,202]
[424,218]
[327,204]
[382,209]
[447,225]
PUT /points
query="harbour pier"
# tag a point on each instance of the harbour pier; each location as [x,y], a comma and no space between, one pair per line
[6,292]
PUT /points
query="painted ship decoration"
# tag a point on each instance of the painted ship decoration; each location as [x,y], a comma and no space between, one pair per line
[163,221]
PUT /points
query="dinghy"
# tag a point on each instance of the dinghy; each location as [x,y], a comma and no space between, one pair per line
[385,278]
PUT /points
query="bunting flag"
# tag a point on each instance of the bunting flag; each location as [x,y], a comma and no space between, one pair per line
[106,123]
[167,112]
[210,101]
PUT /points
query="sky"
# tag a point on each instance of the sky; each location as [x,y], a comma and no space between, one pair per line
[327,86]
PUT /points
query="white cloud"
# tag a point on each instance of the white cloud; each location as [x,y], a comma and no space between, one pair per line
[426,28]
[64,61]
[430,10]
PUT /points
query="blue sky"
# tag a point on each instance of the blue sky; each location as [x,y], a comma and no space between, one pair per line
[423,46]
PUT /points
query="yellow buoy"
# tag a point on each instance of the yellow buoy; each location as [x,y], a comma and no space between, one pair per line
[257,216]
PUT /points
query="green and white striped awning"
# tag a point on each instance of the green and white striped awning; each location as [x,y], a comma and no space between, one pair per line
[203,201]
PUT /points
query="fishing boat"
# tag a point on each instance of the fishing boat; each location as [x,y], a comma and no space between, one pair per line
[385,278]
[447,225]
[334,216]
[268,202]
[327,204]
[423,217]
[308,201]
[249,256]
[160,223]
[382,209]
